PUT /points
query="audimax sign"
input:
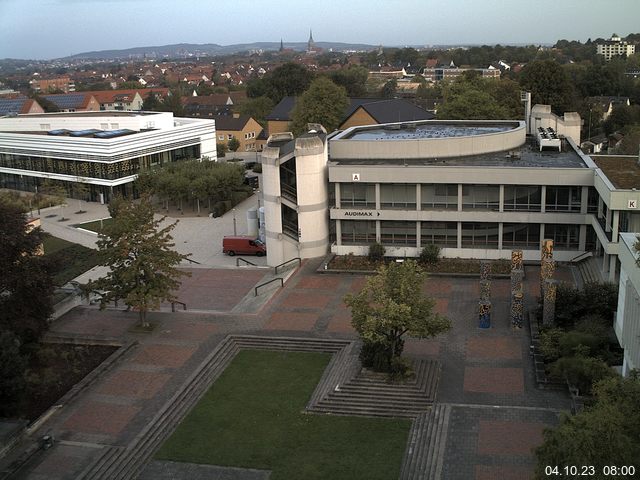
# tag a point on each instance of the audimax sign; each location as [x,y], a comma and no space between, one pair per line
[361,213]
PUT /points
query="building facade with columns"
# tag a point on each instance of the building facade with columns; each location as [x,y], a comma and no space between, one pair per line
[477,189]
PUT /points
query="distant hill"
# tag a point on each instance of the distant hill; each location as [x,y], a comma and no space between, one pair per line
[209,49]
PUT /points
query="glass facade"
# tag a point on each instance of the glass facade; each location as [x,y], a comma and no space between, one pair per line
[398,233]
[565,237]
[400,196]
[521,235]
[479,235]
[357,195]
[439,196]
[443,234]
[522,198]
[355,232]
[563,199]
[480,197]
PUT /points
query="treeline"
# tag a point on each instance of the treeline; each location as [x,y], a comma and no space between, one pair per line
[215,185]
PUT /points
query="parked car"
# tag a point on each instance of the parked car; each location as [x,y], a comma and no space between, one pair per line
[243,245]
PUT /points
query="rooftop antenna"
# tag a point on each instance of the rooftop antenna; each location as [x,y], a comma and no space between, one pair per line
[525,97]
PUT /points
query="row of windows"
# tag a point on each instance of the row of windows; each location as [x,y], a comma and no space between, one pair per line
[108,171]
[474,197]
[445,234]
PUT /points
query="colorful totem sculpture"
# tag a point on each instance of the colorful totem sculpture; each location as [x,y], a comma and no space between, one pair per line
[484,305]
[517,289]
[549,303]
[547,286]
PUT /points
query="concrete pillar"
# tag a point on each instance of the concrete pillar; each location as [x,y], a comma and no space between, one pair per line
[600,206]
[459,234]
[500,231]
[584,200]
[501,204]
[378,238]
[459,197]
[418,239]
[338,232]
[543,200]
[541,233]
[418,197]
[607,221]
[615,225]
[613,263]
[582,240]
[377,196]
[337,193]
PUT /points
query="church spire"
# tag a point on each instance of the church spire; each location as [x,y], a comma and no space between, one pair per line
[281,46]
[311,47]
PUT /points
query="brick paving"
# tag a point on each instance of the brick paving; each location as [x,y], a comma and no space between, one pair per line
[493,380]
[486,377]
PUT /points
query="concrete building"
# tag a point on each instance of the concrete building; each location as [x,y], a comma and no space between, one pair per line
[104,150]
[627,320]
[478,189]
[615,47]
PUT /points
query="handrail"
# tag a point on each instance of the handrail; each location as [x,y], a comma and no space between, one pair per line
[288,261]
[192,261]
[577,258]
[173,305]
[255,290]
[245,261]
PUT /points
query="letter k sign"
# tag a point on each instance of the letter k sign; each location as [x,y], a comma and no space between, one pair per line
[632,204]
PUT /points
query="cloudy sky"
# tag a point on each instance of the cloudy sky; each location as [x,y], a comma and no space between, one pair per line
[43,29]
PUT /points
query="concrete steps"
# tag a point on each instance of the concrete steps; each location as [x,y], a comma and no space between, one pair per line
[126,463]
[590,270]
[424,455]
[355,392]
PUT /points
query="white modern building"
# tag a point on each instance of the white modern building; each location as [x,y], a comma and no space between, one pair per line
[477,189]
[104,150]
[627,321]
[615,47]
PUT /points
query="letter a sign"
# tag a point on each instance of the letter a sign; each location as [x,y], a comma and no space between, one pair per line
[355,177]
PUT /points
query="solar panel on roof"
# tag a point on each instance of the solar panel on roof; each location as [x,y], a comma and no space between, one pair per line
[11,105]
[71,100]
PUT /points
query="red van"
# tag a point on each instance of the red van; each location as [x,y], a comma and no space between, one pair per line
[243,245]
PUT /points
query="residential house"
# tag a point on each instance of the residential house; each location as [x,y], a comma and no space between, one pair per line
[608,103]
[20,105]
[211,105]
[74,102]
[46,85]
[361,111]
[242,127]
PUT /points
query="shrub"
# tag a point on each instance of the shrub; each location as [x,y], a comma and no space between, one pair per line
[376,252]
[581,372]
[550,344]
[257,168]
[570,341]
[376,356]
[430,254]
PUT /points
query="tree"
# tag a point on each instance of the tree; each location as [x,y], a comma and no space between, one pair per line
[221,149]
[152,103]
[353,79]
[289,79]
[606,434]
[139,252]
[12,369]
[25,282]
[324,102]
[392,304]
[389,89]
[549,84]
[258,108]
[233,144]
[631,142]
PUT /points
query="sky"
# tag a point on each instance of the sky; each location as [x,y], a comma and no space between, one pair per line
[45,29]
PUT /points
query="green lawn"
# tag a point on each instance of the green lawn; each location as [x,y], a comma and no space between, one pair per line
[69,259]
[253,417]
[95,225]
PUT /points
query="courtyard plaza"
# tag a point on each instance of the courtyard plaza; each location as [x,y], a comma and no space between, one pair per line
[497,415]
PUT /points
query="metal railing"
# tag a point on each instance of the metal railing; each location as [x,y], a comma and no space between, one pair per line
[581,257]
[192,261]
[255,290]
[238,260]
[173,305]
[298,259]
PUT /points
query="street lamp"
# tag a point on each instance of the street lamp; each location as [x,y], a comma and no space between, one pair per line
[235,231]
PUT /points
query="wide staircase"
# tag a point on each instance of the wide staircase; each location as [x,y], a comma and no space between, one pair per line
[589,269]
[356,391]
[119,463]
[423,458]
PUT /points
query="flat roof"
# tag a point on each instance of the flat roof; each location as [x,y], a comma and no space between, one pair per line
[621,170]
[525,156]
[433,129]
[101,113]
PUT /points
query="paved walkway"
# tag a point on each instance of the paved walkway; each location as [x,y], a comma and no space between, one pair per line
[487,378]
[199,236]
